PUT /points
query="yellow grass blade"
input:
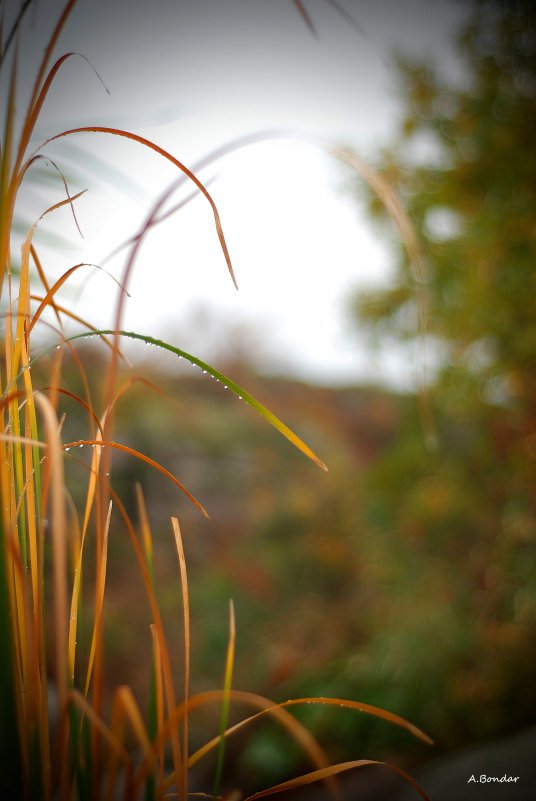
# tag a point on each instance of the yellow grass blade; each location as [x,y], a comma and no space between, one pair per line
[183,783]
[164,153]
[226,697]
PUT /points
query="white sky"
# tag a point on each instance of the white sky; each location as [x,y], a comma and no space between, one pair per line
[192,75]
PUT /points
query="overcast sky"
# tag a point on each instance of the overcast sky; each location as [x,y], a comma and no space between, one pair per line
[193,75]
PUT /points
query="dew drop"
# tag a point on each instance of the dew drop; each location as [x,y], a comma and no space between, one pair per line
[205,372]
[240,397]
[67,450]
[225,386]
[81,446]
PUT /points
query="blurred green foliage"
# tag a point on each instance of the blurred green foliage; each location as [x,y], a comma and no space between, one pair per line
[456,522]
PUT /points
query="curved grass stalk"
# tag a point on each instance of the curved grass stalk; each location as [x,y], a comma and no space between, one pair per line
[273,708]
[227,382]
[333,770]
[161,152]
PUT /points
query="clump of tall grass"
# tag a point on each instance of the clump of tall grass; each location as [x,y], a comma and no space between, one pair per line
[85,748]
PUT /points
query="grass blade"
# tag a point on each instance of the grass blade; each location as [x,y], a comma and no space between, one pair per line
[183,783]
[125,448]
[157,149]
[332,770]
[239,391]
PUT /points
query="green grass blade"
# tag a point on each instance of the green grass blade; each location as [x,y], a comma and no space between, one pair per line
[207,369]
[226,700]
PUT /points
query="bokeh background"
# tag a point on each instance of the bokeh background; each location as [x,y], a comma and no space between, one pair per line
[404,577]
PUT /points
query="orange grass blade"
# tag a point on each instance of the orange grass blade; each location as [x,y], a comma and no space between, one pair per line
[127,702]
[68,313]
[76,698]
[165,154]
[273,709]
[225,380]
[297,730]
[368,709]
[145,531]
[332,770]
